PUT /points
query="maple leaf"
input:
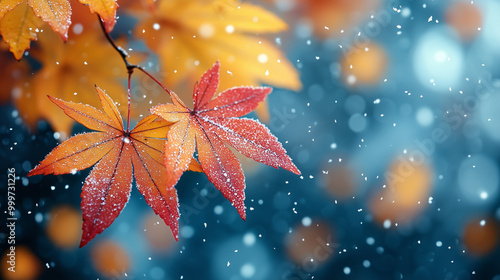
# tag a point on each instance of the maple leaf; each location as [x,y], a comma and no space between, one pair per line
[209,125]
[18,28]
[189,35]
[68,71]
[20,21]
[106,10]
[117,151]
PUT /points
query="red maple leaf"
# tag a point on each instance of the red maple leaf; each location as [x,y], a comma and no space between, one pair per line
[212,124]
[118,153]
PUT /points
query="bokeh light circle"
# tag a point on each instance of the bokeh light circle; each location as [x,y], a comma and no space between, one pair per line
[490,31]
[408,184]
[489,115]
[466,18]
[425,116]
[339,181]
[364,64]
[313,243]
[438,60]
[481,236]
[159,235]
[64,227]
[354,104]
[27,265]
[358,122]
[248,259]
[478,179]
[110,259]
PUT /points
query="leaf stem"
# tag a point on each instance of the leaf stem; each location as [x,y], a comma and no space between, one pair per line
[130,69]
[129,99]
[154,79]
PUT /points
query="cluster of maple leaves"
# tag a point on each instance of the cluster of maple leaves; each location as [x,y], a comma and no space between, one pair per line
[158,164]
[20,20]
[174,138]
[186,35]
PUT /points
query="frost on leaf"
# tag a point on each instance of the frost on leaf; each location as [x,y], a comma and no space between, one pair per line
[20,21]
[210,125]
[18,28]
[116,153]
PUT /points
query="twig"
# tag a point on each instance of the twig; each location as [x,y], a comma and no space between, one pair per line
[130,69]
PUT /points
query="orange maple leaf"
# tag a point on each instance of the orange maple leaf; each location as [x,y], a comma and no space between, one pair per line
[211,123]
[189,35]
[20,21]
[118,153]
[106,10]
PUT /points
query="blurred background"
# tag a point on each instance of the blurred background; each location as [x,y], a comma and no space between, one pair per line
[395,128]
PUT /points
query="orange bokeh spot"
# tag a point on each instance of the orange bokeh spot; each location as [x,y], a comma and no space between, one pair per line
[339,181]
[408,185]
[313,242]
[110,259]
[64,227]
[465,18]
[481,236]
[157,233]
[27,265]
[364,64]
[337,15]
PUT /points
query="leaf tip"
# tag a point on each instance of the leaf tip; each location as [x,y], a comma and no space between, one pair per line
[216,66]
[243,214]
[154,110]
[267,90]
[295,170]
[32,173]
[85,239]
[174,227]
[98,89]
[88,230]
[241,208]
[55,100]
[65,37]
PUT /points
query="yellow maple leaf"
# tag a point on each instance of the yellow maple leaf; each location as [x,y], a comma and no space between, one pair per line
[190,35]
[19,27]
[69,71]
[20,21]
[7,5]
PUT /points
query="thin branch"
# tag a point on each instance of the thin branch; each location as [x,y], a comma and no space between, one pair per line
[129,97]
[120,50]
[130,69]
[154,79]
